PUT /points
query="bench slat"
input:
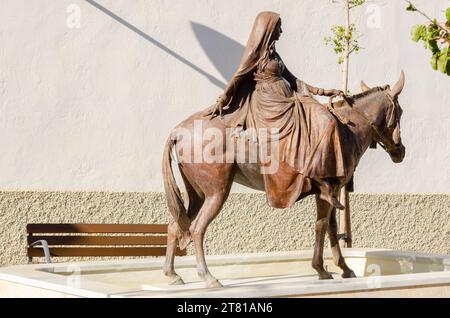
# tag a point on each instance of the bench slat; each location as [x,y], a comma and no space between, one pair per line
[100,240]
[98,251]
[96,228]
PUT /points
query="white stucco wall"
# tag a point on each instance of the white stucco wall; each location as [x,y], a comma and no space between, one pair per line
[89,108]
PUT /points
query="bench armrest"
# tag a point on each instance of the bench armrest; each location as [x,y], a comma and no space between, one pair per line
[48,257]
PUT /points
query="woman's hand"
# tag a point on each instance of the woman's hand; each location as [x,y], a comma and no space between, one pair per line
[340,93]
[334,92]
[321,91]
[218,107]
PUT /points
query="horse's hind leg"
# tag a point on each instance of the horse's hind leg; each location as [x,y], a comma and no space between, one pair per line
[195,202]
[168,268]
[335,248]
[323,218]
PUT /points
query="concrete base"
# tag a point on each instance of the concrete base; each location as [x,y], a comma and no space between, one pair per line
[381,273]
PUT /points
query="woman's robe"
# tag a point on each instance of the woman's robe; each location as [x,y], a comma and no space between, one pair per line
[264,94]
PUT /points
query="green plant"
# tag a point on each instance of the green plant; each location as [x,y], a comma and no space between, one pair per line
[345,39]
[435,37]
[345,42]
[355,3]
[339,39]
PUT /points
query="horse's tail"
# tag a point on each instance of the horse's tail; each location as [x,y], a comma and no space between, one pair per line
[174,199]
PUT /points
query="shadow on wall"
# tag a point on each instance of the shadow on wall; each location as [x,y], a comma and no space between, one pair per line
[211,41]
[222,51]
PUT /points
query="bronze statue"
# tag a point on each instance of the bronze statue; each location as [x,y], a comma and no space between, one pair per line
[315,148]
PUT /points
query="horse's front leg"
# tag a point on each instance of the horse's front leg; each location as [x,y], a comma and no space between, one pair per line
[322,222]
[335,248]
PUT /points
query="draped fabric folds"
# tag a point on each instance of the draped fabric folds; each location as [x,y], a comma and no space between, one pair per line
[261,97]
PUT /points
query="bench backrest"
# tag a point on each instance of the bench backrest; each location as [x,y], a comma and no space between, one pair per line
[91,240]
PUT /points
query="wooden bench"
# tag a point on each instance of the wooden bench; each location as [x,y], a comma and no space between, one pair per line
[96,240]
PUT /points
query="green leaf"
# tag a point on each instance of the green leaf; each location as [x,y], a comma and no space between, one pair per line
[443,60]
[411,7]
[442,63]
[434,61]
[417,32]
[355,3]
[433,46]
[447,14]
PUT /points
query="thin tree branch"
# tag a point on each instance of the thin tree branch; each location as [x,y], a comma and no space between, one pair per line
[427,17]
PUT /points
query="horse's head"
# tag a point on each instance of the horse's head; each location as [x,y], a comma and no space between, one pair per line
[387,127]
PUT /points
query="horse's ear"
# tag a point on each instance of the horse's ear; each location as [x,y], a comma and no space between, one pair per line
[364,86]
[398,87]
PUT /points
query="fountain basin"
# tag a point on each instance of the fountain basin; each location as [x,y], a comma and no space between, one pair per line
[381,273]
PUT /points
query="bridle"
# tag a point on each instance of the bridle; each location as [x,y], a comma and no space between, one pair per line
[385,143]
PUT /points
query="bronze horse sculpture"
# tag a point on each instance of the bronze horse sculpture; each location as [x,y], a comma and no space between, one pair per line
[315,149]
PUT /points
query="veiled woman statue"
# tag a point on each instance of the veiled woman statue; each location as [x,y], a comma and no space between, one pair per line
[263,93]
[304,139]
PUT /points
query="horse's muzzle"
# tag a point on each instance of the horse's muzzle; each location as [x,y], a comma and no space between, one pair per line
[397,154]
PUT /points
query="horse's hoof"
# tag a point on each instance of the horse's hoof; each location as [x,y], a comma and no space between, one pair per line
[348,274]
[176,281]
[325,276]
[213,284]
